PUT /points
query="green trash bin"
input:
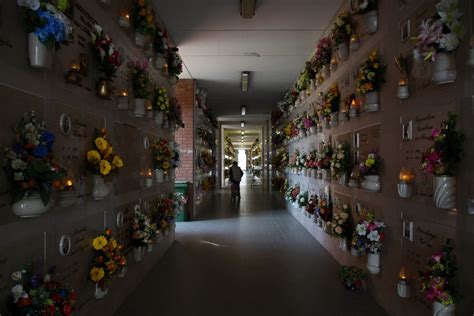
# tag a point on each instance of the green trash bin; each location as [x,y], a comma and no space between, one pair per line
[182,187]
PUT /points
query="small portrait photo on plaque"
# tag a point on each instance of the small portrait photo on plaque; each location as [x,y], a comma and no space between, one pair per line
[65,124]
[405,31]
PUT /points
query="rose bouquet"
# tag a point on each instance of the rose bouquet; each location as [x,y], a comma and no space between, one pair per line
[341,160]
[47,21]
[342,29]
[437,281]
[312,205]
[323,53]
[34,295]
[143,229]
[175,63]
[29,163]
[324,157]
[108,57]
[352,277]
[160,41]
[442,33]
[109,260]
[371,165]
[369,235]
[140,79]
[142,18]
[340,225]
[444,155]
[325,210]
[371,74]
[101,159]
[161,101]
[332,100]
[363,6]
[175,114]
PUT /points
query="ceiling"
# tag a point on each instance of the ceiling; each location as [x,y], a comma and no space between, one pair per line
[235,135]
[216,45]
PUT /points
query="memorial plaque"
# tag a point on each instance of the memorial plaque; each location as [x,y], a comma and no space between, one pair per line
[367,139]
[128,145]
[123,233]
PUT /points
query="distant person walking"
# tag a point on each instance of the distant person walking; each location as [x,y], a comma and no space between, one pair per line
[235,176]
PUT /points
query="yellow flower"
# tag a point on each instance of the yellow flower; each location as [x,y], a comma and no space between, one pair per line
[149,18]
[112,244]
[93,156]
[108,151]
[99,243]
[166,165]
[163,223]
[97,274]
[105,167]
[117,162]
[101,143]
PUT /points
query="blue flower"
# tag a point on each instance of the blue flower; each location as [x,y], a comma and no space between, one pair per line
[63,293]
[40,151]
[52,27]
[47,137]
[17,148]
[34,282]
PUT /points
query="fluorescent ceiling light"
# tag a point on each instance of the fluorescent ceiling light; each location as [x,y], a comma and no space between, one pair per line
[242,124]
[245,80]
[243,110]
[243,133]
[247,8]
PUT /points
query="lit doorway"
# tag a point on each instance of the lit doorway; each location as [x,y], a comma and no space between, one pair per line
[242,159]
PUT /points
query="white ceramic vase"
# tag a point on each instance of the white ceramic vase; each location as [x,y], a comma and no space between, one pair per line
[343,244]
[443,310]
[343,179]
[327,174]
[122,103]
[343,51]
[403,92]
[149,248]
[159,176]
[159,118]
[372,21]
[39,54]
[139,110]
[372,101]
[352,112]
[99,292]
[122,272]
[30,206]
[160,61]
[100,189]
[371,183]
[444,69]
[334,119]
[139,39]
[313,130]
[325,73]
[444,192]
[138,253]
[373,263]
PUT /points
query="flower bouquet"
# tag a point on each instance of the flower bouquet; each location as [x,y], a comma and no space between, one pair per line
[369,169]
[34,295]
[312,205]
[143,231]
[108,262]
[441,160]
[162,156]
[368,237]
[102,163]
[31,168]
[163,215]
[175,64]
[142,18]
[341,33]
[160,45]
[322,58]
[324,161]
[340,224]
[352,277]
[332,102]
[303,81]
[369,8]
[175,116]
[341,162]
[47,27]
[437,281]
[369,81]
[141,85]
[160,104]
[325,213]
[109,60]
[303,200]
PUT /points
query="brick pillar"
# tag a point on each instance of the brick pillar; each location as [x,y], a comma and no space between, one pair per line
[185,93]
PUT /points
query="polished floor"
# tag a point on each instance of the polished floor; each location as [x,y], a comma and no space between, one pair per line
[247,258]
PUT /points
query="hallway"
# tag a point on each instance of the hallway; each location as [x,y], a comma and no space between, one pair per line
[247,259]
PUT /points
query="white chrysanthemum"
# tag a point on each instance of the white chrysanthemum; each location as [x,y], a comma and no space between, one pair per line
[361,230]
[17,292]
[344,215]
[374,235]
[340,156]
[18,164]
[449,42]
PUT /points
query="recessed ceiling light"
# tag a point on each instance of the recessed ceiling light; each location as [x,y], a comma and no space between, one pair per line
[247,8]
[243,110]
[245,80]
[243,133]
[242,124]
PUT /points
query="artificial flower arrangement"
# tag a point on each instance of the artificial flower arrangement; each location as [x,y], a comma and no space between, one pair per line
[308,122]
[363,6]
[175,114]
[341,160]
[437,281]
[162,155]
[108,57]
[160,41]
[312,205]
[303,199]
[161,101]
[288,101]
[323,54]
[342,29]
[441,33]
[301,162]
[280,160]
[292,193]
[311,159]
[206,161]
[443,157]
[276,115]
[143,229]
[140,79]
[304,78]
[163,214]
[352,277]
[179,202]
[47,21]
[109,260]
[370,166]
[142,18]
[294,158]
[29,163]
[36,295]
[325,210]
[101,160]
[324,157]
[340,224]
[278,183]
[371,74]
[332,100]
[175,156]
[175,63]
[368,235]
[208,184]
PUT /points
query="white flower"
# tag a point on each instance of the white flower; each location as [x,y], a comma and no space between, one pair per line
[32,4]
[98,28]
[30,127]
[47,278]
[340,156]
[361,230]
[449,42]
[344,215]
[340,222]
[338,165]
[17,292]
[374,235]
[16,276]
[18,164]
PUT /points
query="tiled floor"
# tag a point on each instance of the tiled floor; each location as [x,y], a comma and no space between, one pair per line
[246,259]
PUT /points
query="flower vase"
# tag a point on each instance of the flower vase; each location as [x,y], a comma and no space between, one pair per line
[100,189]
[139,110]
[139,39]
[372,21]
[159,176]
[444,69]
[160,61]
[149,248]
[40,55]
[372,101]
[327,174]
[373,263]
[159,118]
[343,179]
[343,244]
[122,272]
[100,292]
[314,173]
[325,73]
[320,174]
[105,88]
[305,172]
[138,253]
[444,192]
[327,227]
[30,206]
[334,119]
[122,103]
[355,252]
[343,51]
[440,309]
[371,183]
[352,112]
[313,130]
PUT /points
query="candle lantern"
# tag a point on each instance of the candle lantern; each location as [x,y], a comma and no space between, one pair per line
[74,73]
[354,43]
[68,195]
[148,178]
[124,20]
[403,287]
[405,186]
[333,65]
[353,110]
[403,92]
[122,100]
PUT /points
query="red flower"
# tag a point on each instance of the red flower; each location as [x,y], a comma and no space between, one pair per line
[22,302]
[67,309]
[73,295]
[51,309]
[55,297]
[29,146]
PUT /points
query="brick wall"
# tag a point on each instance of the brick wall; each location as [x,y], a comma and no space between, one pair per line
[185,92]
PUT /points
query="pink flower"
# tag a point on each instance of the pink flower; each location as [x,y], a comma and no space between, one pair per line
[437,257]
[435,133]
